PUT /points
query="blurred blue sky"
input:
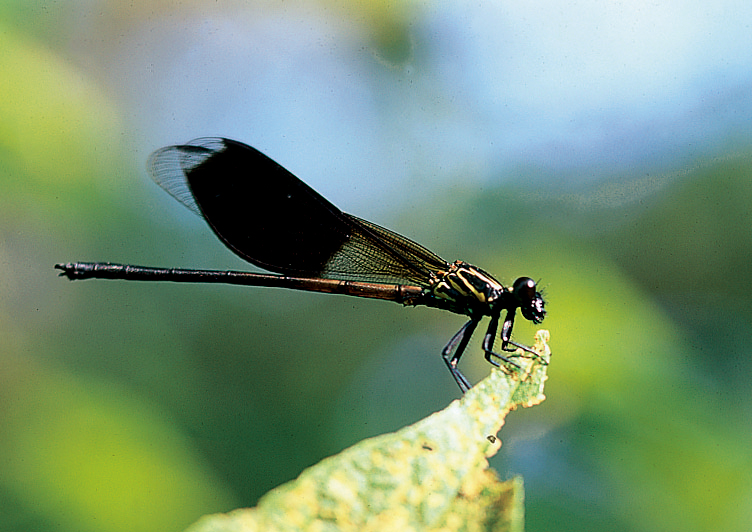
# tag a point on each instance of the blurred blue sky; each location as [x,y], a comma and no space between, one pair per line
[486,88]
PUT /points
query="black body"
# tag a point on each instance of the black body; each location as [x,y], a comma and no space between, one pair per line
[270,218]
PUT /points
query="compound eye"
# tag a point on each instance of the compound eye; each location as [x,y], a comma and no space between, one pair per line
[524,289]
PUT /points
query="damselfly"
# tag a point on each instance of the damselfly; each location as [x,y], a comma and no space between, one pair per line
[270,218]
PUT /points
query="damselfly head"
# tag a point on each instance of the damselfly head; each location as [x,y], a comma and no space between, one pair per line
[530,301]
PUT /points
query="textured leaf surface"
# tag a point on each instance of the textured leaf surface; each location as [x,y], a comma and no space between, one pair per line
[430,476]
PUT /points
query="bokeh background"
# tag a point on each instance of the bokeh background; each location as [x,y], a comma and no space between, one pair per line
[601,147]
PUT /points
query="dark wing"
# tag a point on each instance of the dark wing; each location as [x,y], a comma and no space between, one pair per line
[272,219]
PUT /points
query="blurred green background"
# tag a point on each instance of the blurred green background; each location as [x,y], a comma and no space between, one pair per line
[602,148]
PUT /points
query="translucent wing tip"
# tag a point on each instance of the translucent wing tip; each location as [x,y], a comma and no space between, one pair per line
[169,167]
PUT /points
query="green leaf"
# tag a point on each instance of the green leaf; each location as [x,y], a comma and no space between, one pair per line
[430,476]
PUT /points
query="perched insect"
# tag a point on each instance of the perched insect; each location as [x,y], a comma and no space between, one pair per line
[272,219]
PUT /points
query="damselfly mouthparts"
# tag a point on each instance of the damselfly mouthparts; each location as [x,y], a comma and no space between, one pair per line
[270,218]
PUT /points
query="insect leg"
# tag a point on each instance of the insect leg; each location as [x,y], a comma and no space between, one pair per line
[506,341]
[454,349]
[488,341]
